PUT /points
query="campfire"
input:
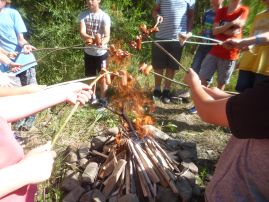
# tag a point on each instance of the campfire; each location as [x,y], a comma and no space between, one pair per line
[131,163]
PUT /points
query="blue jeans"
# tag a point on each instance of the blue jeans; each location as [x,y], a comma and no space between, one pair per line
[247,79]
[199,57]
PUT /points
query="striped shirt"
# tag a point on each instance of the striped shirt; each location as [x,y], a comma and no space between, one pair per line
[95,23]
[175,18]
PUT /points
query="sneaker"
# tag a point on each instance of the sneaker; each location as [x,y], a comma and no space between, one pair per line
[94,100]
[19,138]
[166,98]
[157,94]
[102,105]
[28,124]
[192,110]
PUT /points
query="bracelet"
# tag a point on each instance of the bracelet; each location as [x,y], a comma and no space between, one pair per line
[258,39]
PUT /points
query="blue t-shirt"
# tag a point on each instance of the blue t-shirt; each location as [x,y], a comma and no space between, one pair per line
[175,18]
[208,22]
[11,24]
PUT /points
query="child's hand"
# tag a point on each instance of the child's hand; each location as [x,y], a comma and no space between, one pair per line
[78,92]
[38,163]
[191,78]
[27,48]
[14,67]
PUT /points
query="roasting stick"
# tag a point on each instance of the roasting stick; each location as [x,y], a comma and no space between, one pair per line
[75,109]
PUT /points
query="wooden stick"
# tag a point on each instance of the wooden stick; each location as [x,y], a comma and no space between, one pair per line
[98,154]
[73,111]
[149,184]
[69,82]
[147,164]
[162,170]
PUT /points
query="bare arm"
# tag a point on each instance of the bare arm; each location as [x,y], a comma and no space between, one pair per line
[83,34]
[190,20]
[14,108]
[24,44]
[260,39]
[106,37]
[34,168]
[209,109]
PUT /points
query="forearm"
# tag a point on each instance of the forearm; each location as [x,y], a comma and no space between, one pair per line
[209,109]
[7,91]
[25,105]
[12,178]
[216,93]
[190,20]
[4,59]
[155,11]
[221,29]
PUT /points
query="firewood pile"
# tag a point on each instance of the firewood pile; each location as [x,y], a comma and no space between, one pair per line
[120,167]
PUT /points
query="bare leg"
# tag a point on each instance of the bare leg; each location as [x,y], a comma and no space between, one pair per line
[158,79]
[221,86]
[170,73]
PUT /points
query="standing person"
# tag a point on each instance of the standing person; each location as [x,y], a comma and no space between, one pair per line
[176,16]
[12,28]
[207,31]
[228,23]
[19,173]
[254,63]
[242,172]
[95,22]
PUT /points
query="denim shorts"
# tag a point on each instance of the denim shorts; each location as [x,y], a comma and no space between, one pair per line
[199,56]
[160,60]
[247,79]
[223,67]
[28,77]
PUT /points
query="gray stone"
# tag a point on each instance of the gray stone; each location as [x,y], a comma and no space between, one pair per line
[186,154]
[97,143]
[166,194]
[191,166]
[98,196]
[189,176]
[129,198]
[74,195]
[184,188]
[83,163]
[90,172]
[72,157]
[83,152]
[156,133]
[113,131]
[71,180]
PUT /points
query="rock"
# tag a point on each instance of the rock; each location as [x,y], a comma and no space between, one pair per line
[83,163]
[83,152]
[97,143]
[184,188]
[156,133]
[98,196]
[90,172]
[129,198]
[189,176]
[86,197]
[74,195]
[185,155]
[166,194]
[72,157]
[191,166]
[113,131]
[71,180]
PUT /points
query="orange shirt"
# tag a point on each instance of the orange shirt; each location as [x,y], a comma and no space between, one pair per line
[221,17]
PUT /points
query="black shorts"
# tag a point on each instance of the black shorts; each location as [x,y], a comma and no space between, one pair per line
[94,64]
[161,60]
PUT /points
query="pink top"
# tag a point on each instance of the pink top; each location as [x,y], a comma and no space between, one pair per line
[11,153]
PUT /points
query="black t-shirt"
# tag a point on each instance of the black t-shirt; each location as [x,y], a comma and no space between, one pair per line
[248,113]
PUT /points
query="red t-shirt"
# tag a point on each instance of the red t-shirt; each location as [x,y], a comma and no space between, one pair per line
[221,17]
[11,153]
